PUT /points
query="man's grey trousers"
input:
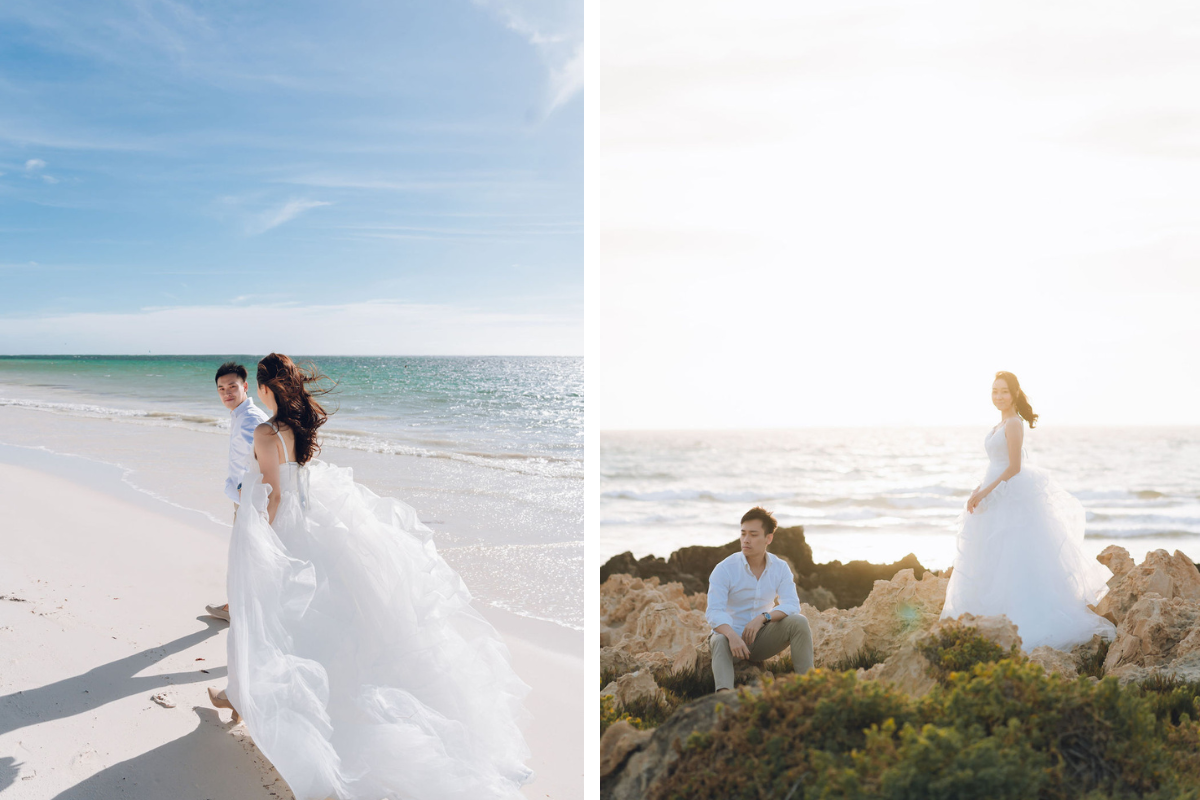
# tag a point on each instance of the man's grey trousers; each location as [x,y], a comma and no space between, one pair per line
[791,631]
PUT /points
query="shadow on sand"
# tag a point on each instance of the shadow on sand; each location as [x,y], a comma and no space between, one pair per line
[207,763]
[101,685]
[9,769]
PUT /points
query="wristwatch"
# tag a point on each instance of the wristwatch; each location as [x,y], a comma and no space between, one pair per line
[766,617]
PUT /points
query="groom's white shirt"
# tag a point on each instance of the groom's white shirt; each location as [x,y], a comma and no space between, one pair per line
[242,422]
[735,596]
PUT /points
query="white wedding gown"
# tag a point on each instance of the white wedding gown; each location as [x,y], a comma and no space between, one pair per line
[355,658]
[1021,554]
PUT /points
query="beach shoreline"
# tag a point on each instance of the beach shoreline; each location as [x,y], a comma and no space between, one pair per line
[101,604]
[516,539]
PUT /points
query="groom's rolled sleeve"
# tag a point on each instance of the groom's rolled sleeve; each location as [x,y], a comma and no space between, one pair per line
[717,612]
[789,600]
[231,490]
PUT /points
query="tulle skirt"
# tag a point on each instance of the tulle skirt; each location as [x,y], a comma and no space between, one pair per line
[355,658]
[1021,554]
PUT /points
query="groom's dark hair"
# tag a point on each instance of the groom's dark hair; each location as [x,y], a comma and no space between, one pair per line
[765,517]
[231,368]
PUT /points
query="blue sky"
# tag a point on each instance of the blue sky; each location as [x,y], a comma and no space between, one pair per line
[177,174]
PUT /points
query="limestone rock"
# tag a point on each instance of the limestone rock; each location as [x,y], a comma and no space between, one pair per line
[1161,573]
[617,661]
[889,616]
[1117,559]
[617,743]
[645,617]
[1055,662]
[1154,631]
[906,668]
[650,759]
[631,687]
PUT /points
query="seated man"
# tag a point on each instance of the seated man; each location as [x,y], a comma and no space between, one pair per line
[741,604]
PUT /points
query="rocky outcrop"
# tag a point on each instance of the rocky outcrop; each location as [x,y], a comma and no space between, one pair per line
[1157,635]
[644,761]
[1163,574]
[907,667]
[1055,662]
[645,624]
[617,743]
[631,687]
[893,611]
[1155,605]
[821,585]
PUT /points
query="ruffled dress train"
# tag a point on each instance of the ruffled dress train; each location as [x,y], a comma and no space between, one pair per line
[355,658]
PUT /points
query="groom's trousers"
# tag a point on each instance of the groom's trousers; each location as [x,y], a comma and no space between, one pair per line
[791,631]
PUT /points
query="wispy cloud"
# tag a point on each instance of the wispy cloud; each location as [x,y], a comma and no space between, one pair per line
[555,28]
[34,164]
[273,218]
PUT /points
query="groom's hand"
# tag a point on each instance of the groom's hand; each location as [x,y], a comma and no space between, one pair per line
[738,647]
[752,629]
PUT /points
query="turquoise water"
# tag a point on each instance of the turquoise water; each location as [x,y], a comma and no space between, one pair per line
[522,414]
[489,451]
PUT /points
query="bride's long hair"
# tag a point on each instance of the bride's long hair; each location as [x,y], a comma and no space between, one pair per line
[296,403]
[1020,400]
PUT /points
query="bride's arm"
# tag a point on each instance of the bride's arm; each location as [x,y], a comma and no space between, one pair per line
[267,453]
[1014,432]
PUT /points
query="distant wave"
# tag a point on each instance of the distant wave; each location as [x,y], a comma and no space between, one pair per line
[688,494]
[104,412]
[1140,533]
[523,463]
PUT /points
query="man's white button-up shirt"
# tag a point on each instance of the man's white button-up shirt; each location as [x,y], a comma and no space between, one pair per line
[735,596]
[242,422]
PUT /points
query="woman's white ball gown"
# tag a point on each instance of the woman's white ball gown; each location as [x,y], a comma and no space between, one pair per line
[1021,554]
[355,658]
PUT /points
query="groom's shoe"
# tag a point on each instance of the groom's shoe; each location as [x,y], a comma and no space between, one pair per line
[220,612]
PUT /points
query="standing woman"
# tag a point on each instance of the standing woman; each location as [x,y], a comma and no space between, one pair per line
[355,658]
[1020,547]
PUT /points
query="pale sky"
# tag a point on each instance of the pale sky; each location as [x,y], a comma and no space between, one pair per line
[855,213]
[353,177]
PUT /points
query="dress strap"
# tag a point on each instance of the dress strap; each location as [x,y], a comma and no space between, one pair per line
[282,441]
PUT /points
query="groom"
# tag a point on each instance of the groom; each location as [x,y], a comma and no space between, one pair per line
[742,591]
[232,386]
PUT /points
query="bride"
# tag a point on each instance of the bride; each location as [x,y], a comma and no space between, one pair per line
[355,658]
[1020,547]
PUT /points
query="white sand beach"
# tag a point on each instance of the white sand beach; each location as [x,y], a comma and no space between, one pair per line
[101,603]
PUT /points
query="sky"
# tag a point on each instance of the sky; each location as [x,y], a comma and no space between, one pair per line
[855,213]
[183,176]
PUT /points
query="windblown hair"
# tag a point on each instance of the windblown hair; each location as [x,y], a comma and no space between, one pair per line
[231,368]
[766,517]
[1020,400]
[296,403]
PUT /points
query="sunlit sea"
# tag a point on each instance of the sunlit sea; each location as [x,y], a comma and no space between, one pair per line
[879,494]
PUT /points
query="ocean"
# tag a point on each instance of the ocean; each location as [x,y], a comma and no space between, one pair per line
[488,450]
[878,494]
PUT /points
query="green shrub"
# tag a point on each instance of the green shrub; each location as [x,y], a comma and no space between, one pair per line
[1172,698]
[957,648]
[643,713]
[865,658]
[1092,664]
[998,730]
